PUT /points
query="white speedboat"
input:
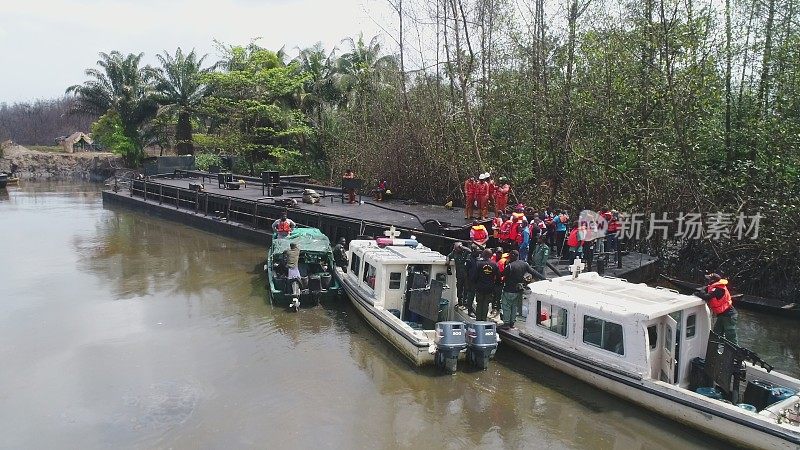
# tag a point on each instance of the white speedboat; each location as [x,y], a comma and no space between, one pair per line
[653,347]
[402,289]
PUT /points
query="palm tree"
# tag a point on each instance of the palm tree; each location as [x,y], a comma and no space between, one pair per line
[362,70]
[119,85]
[320,88]
[180,89]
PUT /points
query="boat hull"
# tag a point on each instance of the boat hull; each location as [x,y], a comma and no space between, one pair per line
[416,350]
[726,422]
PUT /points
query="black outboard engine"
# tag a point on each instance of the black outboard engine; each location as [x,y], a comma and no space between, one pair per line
[481,343]
[450,341]
[315,286]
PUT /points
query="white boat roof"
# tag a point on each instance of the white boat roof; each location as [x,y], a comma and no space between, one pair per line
[397,254]
[616,295]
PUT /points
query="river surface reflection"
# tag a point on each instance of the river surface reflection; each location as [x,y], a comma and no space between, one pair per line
[118,329]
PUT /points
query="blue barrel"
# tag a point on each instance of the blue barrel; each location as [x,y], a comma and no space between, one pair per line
[710,392]
[747,407]
[779,393]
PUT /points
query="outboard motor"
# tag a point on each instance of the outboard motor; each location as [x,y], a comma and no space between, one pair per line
[315,286]
[481,343]
[450,341]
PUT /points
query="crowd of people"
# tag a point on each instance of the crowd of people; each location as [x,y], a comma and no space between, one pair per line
[526,229]
[489,281]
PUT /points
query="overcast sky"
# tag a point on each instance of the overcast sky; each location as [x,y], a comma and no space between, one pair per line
[45,45]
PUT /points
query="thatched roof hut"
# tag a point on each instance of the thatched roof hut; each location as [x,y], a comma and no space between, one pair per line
[77,138]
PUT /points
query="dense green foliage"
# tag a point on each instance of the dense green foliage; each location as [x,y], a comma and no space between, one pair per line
[109,132]
[652,107]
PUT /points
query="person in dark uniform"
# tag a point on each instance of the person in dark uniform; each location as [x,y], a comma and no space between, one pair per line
[460,255]
[340,254]
[484,276]
[514,274]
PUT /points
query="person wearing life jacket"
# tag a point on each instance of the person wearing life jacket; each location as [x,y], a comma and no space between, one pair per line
[720,302]
[482,196]
[497,222]
[575,243]
[469,197]
[501,197]
[478,234]
[492,189]
[505,231]
[283,227]
[501,259]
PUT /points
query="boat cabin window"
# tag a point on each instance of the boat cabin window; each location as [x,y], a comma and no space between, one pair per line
[551,317]
[691,325]
[394,280]
[355,264]
[652,336]
[603,334]
[369,275]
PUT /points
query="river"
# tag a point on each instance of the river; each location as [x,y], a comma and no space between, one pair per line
[118,329]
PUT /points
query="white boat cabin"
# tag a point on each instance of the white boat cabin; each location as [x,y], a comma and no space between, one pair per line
[649,333]
[389,274]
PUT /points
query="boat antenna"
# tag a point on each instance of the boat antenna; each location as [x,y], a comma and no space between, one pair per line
[576,268]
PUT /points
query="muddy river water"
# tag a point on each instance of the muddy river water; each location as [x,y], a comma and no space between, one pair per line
[122,330]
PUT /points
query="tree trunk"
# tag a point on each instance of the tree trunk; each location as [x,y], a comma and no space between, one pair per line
[183,134]
[763,85]
[728,67]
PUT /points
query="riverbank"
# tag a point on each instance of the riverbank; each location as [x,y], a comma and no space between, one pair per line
[37,165]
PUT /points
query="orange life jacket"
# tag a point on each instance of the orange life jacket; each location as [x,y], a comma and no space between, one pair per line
[479,234]
[501,265]
[720,305]
[572,240]
[284,227]
[497,223]
[505,229]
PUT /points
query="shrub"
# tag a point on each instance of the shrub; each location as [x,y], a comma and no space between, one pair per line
[204,161]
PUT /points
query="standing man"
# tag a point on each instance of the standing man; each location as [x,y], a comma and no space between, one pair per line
[524,240]
[560,222]
[484,276]
[501,196]
[719,300]
[351,193]
[460,255]
[293,266]
[340,254]
[540,254]
[469,296]
[482,196]
[283,227]
[515,283]
[469,197]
